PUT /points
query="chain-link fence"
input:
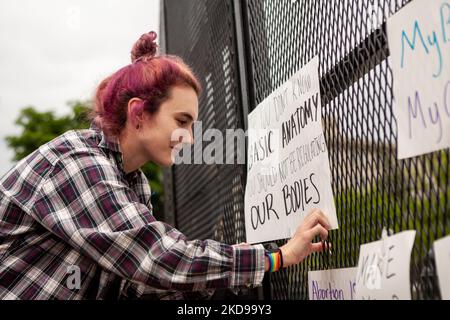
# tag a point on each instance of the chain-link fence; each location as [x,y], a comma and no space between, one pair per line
[244,50]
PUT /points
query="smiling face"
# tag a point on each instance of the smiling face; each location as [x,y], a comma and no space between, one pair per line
[163,133]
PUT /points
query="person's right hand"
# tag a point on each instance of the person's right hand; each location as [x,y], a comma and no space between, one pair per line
[301,245]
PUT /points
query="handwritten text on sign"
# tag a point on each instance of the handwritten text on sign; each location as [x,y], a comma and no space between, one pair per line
[442,254]
[288,167]
[419,43]
[383,268]
[334,284]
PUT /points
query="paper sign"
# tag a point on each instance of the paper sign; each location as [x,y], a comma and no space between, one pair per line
[383,268]
[419,44]
[442,256]
[334,284]
[288,167]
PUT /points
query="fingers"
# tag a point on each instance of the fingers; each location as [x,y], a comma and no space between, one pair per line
[317,247]
[316,231]
[314,217]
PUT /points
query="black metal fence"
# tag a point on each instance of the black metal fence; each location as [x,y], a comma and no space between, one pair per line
[244,50]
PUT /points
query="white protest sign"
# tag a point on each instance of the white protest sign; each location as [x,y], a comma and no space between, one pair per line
[333,284]
[419,44]
[288,167]
[383,268]
[442,257]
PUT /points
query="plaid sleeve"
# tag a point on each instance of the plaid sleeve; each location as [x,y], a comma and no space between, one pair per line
[86,203]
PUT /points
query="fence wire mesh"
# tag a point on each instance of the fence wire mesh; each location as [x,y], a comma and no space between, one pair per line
[209,199]
[372,189]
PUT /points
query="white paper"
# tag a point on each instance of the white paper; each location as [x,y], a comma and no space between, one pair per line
[334,284]
[288,170]
[419,44]
[442,258]
[383,268]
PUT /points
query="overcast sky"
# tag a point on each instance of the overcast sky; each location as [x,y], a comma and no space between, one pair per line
[55,51]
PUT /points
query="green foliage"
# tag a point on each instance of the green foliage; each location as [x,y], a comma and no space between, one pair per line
[421,204]
[39,128]
[155,177]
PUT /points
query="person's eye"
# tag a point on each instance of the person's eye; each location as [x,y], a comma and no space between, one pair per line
[182,122]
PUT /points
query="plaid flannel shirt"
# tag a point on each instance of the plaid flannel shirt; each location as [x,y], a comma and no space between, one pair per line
[69,209]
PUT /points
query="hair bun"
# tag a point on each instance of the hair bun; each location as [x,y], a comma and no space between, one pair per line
[145,47]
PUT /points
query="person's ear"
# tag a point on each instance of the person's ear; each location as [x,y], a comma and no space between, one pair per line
[136,112]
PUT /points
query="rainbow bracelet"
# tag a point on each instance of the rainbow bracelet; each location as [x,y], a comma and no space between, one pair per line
[275,260]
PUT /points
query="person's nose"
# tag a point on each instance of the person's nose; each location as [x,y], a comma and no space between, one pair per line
[191,137]
[187,137]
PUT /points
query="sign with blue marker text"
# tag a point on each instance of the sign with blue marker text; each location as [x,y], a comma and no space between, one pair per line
[419,44]
[288,172]
[333,284]
[383,268]
[442,257]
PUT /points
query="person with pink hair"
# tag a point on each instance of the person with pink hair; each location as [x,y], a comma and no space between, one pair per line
[76,220]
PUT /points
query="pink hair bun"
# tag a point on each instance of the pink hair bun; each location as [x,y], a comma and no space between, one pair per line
[145,47]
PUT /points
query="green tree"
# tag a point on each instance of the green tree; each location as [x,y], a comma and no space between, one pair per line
[39,128]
